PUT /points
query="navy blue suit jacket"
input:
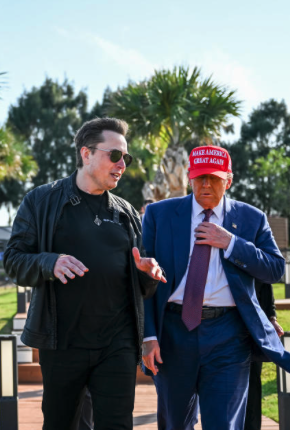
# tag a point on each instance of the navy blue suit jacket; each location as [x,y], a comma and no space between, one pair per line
[166,237]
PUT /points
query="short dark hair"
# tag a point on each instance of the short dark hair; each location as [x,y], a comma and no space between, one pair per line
[149,201]
[91,133]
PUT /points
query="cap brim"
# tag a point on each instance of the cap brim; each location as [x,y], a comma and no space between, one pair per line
[195,173]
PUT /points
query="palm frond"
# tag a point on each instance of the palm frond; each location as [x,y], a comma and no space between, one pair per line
[175,105]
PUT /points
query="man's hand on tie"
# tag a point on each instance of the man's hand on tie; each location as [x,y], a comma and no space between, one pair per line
[150,353]
[208,233]
[66,265]
[148,265]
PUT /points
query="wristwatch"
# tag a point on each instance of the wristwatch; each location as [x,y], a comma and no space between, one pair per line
[273,318]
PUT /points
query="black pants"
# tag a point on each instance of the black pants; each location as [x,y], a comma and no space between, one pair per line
[84,418]
[110,375]
[254,405]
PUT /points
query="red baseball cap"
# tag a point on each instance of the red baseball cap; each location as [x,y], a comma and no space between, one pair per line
[209,160]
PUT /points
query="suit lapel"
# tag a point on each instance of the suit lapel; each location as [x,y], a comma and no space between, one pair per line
[231,222]
[181,226]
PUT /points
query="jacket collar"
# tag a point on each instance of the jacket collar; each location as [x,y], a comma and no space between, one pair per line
[75,198]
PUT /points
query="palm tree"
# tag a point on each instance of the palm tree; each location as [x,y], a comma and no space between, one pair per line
[16,161]
[173,108]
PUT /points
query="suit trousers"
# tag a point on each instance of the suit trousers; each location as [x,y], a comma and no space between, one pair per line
[211,361]
[109,374]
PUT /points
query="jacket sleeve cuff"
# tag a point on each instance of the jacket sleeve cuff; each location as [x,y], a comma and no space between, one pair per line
[148,284]
[228,251]
[50,258]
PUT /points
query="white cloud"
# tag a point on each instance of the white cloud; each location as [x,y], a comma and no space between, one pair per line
[227,71]
[64,33]
[132,60]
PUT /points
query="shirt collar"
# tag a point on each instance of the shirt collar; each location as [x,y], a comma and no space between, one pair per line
[197,209]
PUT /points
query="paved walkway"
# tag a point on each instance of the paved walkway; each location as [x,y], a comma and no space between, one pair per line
[30,415]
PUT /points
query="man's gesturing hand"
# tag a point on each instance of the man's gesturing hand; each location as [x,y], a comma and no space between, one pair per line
[208,233]
[148,265]
[66,265]
[150,353]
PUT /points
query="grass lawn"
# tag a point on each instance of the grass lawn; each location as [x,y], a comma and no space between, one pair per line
[8,308]
[279,291]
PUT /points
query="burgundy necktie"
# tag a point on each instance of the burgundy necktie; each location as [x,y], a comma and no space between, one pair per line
[195,282]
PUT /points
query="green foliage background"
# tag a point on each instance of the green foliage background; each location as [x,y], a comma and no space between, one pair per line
[173,107]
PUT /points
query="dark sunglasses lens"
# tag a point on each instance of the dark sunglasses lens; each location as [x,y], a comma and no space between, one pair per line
[128,159]
[116,156]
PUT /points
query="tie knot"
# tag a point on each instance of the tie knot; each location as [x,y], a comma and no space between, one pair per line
[208,213]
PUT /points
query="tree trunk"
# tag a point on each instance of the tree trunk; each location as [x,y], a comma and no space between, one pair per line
[171,177]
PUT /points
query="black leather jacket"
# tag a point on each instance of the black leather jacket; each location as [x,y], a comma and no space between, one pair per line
[28,258]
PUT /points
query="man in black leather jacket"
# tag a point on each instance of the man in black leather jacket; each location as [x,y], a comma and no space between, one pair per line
[253,421]
[78,246]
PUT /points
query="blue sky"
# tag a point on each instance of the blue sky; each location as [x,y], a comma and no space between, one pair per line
[96,44]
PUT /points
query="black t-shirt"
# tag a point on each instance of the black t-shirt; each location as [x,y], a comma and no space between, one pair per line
[93,309]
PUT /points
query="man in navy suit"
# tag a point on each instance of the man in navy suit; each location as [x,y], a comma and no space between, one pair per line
[212,359]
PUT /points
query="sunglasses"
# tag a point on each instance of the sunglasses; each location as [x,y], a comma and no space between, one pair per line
[116,155]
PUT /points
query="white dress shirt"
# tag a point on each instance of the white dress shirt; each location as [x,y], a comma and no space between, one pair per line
[217,291]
